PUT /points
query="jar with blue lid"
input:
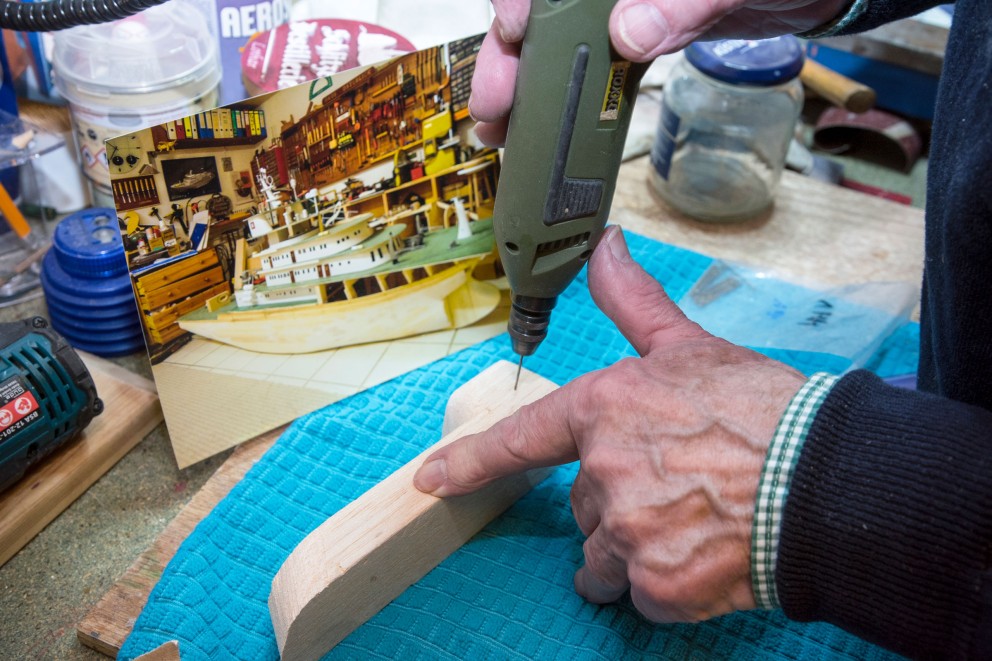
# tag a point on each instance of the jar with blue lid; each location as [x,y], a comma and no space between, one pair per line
[729,110]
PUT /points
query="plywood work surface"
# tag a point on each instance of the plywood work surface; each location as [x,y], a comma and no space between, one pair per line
[131,410]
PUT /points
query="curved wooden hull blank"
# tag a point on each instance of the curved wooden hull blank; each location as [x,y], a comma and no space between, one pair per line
[446,300]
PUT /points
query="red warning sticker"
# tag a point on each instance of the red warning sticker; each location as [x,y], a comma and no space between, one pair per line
[19,409]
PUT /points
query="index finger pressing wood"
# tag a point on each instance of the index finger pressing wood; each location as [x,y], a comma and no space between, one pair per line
[538,434]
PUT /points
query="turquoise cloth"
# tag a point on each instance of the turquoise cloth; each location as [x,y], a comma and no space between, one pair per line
[507,594]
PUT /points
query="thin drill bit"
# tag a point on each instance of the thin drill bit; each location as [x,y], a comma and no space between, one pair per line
[520,366]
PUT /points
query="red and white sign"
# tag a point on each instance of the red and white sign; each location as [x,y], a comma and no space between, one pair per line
[300,51]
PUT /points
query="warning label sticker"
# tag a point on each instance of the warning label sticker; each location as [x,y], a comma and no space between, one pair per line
[18,407]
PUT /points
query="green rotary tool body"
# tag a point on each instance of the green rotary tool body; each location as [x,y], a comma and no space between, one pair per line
[571,110]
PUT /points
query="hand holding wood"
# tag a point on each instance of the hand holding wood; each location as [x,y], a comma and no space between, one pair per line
[363,557]
[670,446]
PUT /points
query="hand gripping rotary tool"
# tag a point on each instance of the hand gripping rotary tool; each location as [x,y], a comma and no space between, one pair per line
[571,110]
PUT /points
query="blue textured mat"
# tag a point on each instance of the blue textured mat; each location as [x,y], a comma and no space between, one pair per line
[508,592]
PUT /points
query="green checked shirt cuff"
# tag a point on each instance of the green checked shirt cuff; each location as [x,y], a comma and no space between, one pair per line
[852,14]
[773,486]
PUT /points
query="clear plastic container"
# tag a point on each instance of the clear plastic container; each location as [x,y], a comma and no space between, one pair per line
[129,74]
[729,111]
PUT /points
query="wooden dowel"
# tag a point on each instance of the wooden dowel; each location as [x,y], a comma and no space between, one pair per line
[837,88]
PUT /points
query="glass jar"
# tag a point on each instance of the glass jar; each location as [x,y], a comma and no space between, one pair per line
[728,113]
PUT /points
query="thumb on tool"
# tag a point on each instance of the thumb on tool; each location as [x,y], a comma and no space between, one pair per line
[632,299]
[644,29]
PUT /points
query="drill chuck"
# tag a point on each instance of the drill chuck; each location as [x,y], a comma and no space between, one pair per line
[528,324]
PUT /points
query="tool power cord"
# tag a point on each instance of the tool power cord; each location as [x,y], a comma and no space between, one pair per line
[61,14]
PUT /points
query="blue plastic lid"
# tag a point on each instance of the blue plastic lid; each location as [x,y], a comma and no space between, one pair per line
[107,345]
[88,244]
[759,62]
[86,297]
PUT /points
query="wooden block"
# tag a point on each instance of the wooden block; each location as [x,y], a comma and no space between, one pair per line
[108,624]
[165,652]
[131,411]
[363,557]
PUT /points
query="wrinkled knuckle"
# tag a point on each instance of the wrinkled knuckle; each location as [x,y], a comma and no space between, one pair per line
[594,557]
[608,521]
[589,394]
[625,525]
[606,384]
[467,476]
[596,463]
[620,529]
[516,437]
[600,561]
[625,364]
[671,598]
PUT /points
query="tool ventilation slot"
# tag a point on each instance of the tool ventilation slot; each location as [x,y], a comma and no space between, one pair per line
[571,197]
[53,385]
[561,244]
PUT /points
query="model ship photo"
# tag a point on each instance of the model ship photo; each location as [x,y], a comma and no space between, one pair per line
[193,180]
[315,279]
[303,245]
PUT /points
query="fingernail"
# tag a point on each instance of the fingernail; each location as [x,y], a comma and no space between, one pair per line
[431,476]
[642,27]
[504,34]
[470,112]
[617,244]
[511,31]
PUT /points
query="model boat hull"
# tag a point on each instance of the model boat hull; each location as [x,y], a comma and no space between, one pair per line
[449,299]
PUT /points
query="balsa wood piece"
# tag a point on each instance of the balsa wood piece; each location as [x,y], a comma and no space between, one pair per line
[165,652]
[363,557]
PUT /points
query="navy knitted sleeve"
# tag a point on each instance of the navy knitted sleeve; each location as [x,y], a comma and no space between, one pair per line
[879,12]
[887,531]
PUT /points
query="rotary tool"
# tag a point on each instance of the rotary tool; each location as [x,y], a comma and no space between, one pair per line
[571,110]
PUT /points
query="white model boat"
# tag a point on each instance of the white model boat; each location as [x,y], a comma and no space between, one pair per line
[192,181]
[353,282]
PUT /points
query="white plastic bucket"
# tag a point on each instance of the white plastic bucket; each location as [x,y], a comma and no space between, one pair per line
[133,73]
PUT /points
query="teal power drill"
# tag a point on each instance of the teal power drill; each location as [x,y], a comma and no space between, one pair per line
[571,111]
